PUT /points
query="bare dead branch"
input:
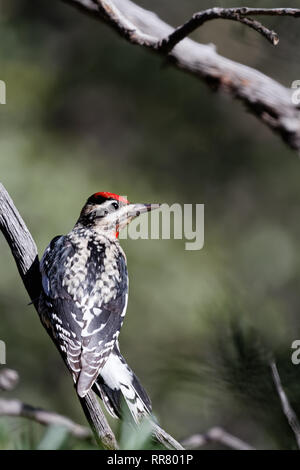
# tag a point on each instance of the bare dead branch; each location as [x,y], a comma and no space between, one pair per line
[239,14]
[267,99]
[8,379]
[18,409]
[285,404]
[98,422]
[25,254]
[216,435]
[164,438]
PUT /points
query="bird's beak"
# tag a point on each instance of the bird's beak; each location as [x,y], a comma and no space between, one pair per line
[134,210]
[129,212]
[119,219]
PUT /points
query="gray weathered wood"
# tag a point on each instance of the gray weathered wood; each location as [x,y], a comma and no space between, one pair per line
[285,403]
[270,101]
[16,408]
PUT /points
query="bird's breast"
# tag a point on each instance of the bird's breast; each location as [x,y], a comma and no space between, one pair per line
[97,268]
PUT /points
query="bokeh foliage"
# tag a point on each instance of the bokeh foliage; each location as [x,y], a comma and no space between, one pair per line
[87,112]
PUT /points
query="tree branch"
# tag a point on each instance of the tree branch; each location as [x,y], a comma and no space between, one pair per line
[239,14]
[285,404]
[8,379]
[18,409]
[25,254]
[218,435]
[164,438]
[267,99]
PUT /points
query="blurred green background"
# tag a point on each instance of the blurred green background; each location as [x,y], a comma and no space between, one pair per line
[88,112]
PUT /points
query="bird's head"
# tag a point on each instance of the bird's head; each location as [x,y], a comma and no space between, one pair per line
[110,212]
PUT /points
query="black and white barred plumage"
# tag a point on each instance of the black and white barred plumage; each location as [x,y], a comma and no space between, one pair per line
[84,301]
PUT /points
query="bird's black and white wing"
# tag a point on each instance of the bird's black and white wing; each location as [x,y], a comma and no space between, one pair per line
[84,300]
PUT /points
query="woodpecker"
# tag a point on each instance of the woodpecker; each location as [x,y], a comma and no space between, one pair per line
[84,299]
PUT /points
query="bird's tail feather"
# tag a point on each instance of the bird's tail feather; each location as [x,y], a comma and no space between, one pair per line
[116,381]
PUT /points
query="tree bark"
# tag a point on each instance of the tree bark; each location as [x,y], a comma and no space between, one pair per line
[267,99]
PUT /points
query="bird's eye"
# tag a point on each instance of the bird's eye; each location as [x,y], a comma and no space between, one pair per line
[115,205]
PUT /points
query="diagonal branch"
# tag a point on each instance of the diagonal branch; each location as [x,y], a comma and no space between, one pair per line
[164,438]
[25,254]
[264,97]
[285,404]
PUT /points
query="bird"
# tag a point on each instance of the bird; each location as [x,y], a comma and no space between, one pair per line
[83,302]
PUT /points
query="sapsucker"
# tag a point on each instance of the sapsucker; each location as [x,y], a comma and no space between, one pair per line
[84,301]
